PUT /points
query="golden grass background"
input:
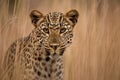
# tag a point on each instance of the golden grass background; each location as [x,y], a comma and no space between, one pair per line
[95,52]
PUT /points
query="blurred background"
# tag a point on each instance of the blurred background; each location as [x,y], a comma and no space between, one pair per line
[95,51]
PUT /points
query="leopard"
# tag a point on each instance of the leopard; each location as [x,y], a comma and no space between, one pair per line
[39,56]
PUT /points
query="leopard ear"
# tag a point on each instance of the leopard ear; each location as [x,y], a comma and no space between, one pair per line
[35,17]
[73,15]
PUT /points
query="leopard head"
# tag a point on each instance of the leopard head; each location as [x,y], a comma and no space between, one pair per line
[55,30]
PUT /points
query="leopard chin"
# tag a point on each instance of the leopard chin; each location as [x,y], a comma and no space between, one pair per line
[53,52]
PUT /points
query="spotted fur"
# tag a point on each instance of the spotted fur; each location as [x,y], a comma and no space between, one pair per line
[39,56]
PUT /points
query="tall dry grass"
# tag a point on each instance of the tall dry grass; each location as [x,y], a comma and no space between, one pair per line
[95,52]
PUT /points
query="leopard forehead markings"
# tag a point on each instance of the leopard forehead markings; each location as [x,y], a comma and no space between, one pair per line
[54,18]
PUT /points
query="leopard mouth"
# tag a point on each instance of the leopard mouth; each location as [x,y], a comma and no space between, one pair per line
[52,51]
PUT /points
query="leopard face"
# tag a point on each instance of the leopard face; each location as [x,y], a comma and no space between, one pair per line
[55,30]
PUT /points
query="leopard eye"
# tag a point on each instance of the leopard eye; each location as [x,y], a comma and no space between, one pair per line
[46,30]
[62,30]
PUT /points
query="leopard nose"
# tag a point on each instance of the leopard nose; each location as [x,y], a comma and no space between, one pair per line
[54,46]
